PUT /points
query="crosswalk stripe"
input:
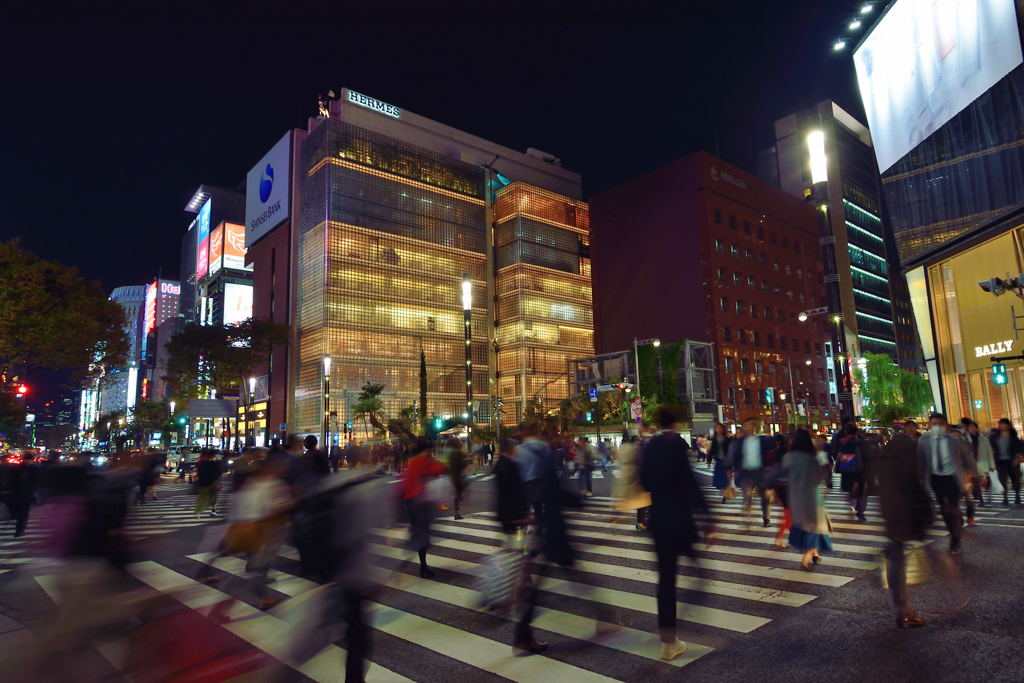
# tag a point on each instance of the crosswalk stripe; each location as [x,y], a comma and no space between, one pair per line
[601,569]
[623,639]
[799,576]
[260,629]
[469,648]
[648,542]
[699,614]
[720,511]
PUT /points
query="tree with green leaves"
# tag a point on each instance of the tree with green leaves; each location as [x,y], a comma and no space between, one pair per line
[890,392]
[147,418]
[368,406]
[51,317]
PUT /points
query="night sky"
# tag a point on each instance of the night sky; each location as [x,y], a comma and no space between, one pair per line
[113,116]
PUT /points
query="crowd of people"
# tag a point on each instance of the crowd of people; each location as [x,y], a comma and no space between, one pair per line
[329,505]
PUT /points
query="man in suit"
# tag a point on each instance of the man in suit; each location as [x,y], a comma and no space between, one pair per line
[748,456]
[676,500]
[943,463]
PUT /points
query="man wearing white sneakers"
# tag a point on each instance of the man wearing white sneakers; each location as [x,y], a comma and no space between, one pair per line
[675,497]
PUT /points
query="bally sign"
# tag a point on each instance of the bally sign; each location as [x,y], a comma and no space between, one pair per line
[267,191]
[376,105]
[993,349]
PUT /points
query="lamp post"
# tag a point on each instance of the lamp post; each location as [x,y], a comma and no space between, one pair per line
[792,389]
[324,427]
[467,318]
[250,433]
[653,341]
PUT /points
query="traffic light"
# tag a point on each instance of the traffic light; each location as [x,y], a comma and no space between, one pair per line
[182,419]
[999,376]
[348,425]
[589,416]
[437,424]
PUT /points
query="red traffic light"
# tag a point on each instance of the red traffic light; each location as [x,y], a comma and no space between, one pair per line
[22,389]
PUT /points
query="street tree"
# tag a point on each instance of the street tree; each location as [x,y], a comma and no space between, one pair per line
[889,391]
[422,407]
[368,406]
[51,317]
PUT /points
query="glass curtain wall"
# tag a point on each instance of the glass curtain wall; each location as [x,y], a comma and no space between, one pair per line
[544,312]
[387,232]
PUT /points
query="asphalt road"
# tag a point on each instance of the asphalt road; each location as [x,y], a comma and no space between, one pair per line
[748,612]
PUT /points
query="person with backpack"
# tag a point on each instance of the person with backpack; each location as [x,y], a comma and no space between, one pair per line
[849,460]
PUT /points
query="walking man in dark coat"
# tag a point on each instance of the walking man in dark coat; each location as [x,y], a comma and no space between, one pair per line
[675,497]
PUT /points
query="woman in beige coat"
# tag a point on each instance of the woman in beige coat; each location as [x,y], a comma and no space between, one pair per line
[629,494]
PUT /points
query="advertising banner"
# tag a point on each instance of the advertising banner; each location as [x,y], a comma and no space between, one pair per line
[202,258]
[234,247]
[216,249]
[237,303]
[267,191]
[204,221]
[925,61]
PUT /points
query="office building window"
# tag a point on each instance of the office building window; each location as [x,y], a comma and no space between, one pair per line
[741,336]
[770,339]
[732,221]
[746,227]
[767,312]
[807,347]
[757,338]
[719,246]
[782,343]
[749,255]
[775,265]
[727,333]
[723,303]
[785,242]
[737,279]
[789,294]
[734,250]
[760,232]
[771,238]
[817,349]
[748,396]
[765,287]
[751,282]
[728,362]
[721,274]
[796,346]
[799,272]
[731,393]
[786,268]
[762,258]
[718,216]
[739,307]
[758,367]
[753,310]
[745,366]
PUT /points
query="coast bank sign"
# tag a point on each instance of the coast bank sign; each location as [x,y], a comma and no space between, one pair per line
[267,194]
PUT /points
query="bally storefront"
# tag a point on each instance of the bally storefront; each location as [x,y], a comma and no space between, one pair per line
[963,327]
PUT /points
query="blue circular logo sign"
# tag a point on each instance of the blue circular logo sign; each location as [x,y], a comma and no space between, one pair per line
[266,183]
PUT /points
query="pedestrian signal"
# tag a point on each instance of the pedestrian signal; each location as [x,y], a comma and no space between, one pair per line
[769,395]
[348,425]
[999,376]
[589,415]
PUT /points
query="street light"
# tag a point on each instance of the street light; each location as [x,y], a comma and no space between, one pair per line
[327,403]
[467,319]
[653,341]
[172,408]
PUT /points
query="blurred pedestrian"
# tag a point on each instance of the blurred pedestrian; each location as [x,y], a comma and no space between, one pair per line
[17,489]
[776,478]
[422,467]
[314,459]
[1009,453]
[945,461]
[907,511]
[850,465]
[675,498]
[810,524]
[208,475]
[584,460]
[986,465]
[531,456]
[628,492]
[718,454]
[749,458]
[457,464]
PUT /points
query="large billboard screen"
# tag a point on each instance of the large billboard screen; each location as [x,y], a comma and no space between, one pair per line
[202,258]
[267,191]
[216,249]
[237,303]
[204,221]
[234,247]
[925,61]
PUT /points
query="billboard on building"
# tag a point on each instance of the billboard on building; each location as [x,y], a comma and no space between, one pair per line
[204,221]
[234,247]
[237,303]
[149,317]
[216,249]
[925,61]
[202,258]
[267,191]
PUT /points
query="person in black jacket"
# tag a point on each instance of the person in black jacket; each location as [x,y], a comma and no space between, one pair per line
[675,497]
[718,453]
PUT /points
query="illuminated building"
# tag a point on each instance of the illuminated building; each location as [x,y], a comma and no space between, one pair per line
[699,250]
[875,307]
[160,322]
[114,387]
[949,140]
[381,213]
[544,316]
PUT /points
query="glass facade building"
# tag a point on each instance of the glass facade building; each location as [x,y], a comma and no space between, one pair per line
[387,230]
[543,315]
[965,174]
